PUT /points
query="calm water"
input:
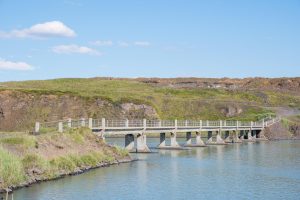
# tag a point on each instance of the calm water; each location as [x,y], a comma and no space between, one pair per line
[265,170]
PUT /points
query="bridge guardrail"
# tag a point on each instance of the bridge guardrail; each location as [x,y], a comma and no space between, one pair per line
[144,124]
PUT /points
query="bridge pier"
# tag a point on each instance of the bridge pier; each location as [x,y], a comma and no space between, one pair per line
[173,140]
[162,137]
[236,138]
[248,136]
[199,141]
[227,137]
[242,134]
[188,139]
[209,137]
[219,139]
[141,144]
[129,142]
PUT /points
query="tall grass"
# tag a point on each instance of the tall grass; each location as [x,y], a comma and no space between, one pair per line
[11,169]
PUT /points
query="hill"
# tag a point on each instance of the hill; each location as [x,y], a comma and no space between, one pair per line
[22,103]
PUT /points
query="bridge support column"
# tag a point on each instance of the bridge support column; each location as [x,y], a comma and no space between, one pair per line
[250,135]
[129,142]
[241,134]
[188,138]
[219,139]
[162,142]
[199,141]
[141,144]
[227,137]
[209,137]
[253,134]
[236,138]
[173,140]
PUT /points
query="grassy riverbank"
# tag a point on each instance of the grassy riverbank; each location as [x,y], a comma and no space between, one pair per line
[26,159]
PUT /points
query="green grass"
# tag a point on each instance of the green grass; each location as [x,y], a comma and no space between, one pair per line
[170,103]
[22,140]
[11,169]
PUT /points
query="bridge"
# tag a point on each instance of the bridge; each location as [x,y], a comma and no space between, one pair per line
[223,131]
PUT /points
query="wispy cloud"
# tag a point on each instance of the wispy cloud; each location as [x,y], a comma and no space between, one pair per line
[142,43]
[102,43]
[10,65]
[123,44]
[43,30]
[71,49]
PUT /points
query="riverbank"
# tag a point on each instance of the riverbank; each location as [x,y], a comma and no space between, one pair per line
[26,159]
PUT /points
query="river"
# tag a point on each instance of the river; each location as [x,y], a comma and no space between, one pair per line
[262,170]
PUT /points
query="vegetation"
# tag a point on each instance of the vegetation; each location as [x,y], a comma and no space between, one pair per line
[170,103]
[25,158]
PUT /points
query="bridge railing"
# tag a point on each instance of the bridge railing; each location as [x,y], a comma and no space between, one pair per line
[103,124]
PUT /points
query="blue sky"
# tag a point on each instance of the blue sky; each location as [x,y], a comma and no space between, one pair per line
[149,38]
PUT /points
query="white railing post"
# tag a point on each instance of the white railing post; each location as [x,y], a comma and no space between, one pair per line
[200,124]
[103,123]
[126,123]
[60,127]
[237,124]
[159,123]
[207,123]
[186,123]
[82,120]
[263,123]
[176,124]
[70,123]
[37,127]
[220,123]
[144,124]
[91,123]
[251,125]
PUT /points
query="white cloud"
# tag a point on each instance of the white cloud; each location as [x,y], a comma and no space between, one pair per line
[10,65]
[123,44]
[71,49]
[47,29]
[102,43]
[142,43]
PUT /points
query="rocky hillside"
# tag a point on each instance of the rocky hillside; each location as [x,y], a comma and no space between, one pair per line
[22,103]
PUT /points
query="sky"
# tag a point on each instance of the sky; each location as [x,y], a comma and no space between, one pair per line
[149,38]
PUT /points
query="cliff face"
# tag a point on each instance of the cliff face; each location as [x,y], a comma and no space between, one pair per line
[19,110]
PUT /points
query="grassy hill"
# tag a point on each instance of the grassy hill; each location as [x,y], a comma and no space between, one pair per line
[169,102]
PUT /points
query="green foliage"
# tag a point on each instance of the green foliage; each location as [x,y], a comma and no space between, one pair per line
[11,169]
[22,140]
[121,151]
[64,163]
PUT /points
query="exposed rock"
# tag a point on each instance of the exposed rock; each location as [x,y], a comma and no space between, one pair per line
[277,132]
[19,111]
[231,110]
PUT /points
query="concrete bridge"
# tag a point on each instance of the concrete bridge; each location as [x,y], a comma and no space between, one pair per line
[218,132]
